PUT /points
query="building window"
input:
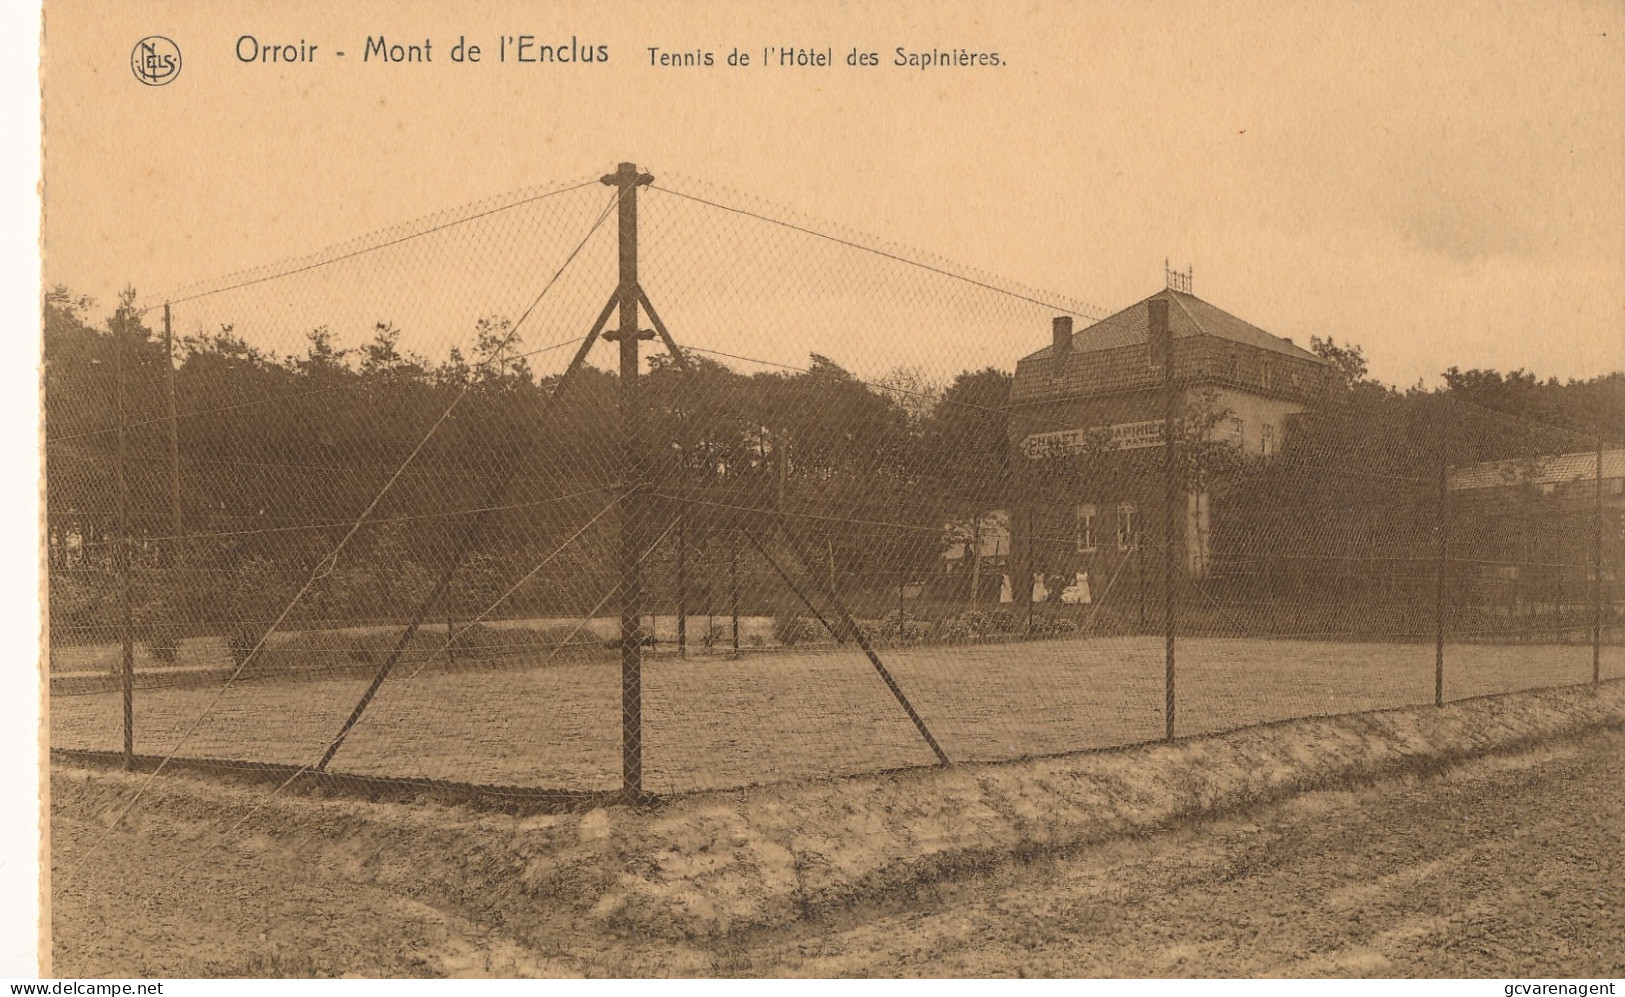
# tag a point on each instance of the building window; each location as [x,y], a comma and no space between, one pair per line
[1088,539]
[1268,444]
[1266,376]
[1128,526]
[1233,369]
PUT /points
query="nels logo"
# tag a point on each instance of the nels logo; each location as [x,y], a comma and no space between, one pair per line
[155,60]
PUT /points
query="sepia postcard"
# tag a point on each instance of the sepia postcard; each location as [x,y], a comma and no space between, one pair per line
[985,491]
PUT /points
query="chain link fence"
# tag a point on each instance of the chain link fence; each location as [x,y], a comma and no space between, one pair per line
[393,513]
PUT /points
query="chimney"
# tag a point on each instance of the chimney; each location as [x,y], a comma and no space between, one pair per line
[1062,343]
[1157,330]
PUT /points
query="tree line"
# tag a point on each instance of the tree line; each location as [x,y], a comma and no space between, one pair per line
[271,460]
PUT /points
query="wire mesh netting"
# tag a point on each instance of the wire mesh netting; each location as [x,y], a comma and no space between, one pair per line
[394,511]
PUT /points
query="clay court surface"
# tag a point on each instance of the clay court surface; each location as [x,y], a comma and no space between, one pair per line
[715,722]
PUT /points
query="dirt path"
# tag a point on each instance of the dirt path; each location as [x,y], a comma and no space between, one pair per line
[1505,866]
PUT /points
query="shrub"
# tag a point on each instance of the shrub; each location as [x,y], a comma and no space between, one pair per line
[716,634]
[918,630]
[160,634]
[1002,621]
[79,599]
[905,629]
[977,623]
[296,649]
[792,630]
[953,630]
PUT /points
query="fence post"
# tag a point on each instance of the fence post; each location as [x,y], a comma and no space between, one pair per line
[682,585]
[1032,544]
[174,444]
[1596,577]
[902,612]
[1139,578]
[1162,340]
[632,507]
[1441,529]
[975,557]
[127,609]
[733,591]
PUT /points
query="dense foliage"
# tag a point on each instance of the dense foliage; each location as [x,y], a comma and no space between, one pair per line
[276,457]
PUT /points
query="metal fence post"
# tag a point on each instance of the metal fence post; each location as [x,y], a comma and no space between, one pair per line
[1596,577]
[1032,543]
[126,605]
[682,585]
[1441,529]
[1162,339]
[174,446]
[975,558]
[733,591]
[902,612]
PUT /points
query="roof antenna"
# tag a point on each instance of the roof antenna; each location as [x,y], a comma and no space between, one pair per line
[1176,281]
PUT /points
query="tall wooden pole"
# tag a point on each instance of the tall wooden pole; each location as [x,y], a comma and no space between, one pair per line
[1162,341]
[627,179]
[127,669]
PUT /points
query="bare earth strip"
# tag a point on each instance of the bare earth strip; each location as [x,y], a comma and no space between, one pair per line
[1507,865]
[712,723]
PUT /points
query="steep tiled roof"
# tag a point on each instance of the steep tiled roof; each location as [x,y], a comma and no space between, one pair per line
[1188,315]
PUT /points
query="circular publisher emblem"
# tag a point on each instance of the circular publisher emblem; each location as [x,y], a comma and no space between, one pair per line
[155,60]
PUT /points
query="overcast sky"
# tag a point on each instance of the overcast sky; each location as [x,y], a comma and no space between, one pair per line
[1443,184]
